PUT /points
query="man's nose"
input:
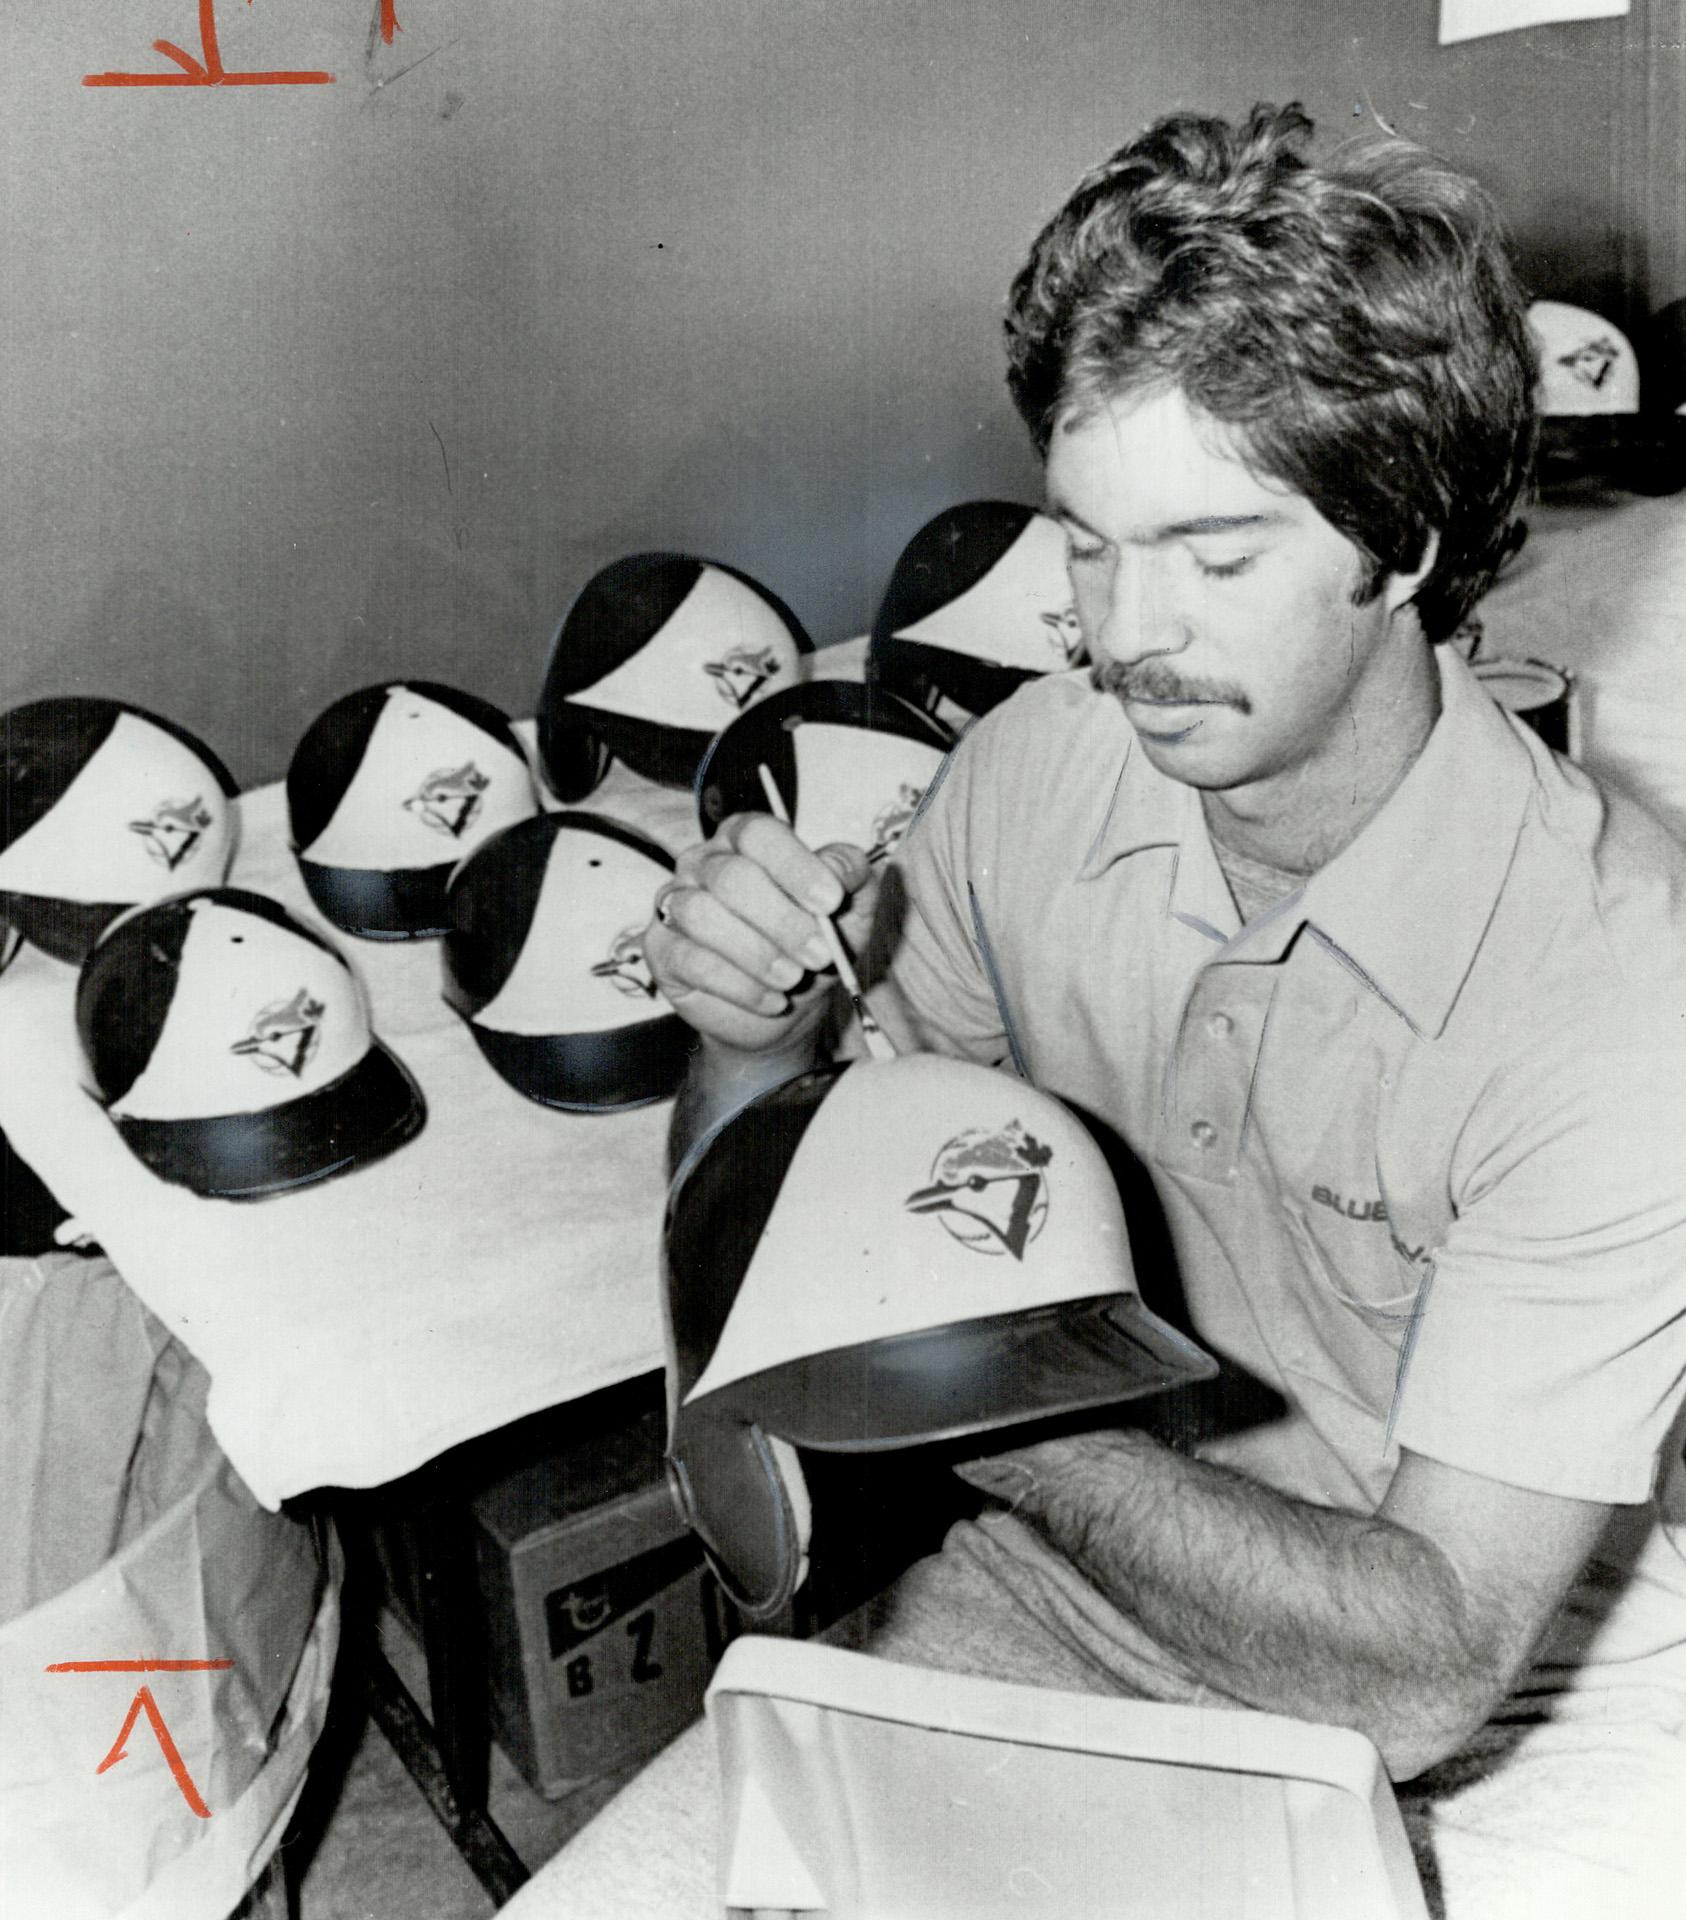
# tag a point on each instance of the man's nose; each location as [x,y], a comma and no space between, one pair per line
[1137,615]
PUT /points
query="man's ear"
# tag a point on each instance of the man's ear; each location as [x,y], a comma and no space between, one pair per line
[1399,589]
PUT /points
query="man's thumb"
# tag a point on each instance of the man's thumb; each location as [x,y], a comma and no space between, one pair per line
[850,864]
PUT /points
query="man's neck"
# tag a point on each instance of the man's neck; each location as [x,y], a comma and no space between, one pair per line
[1298,821]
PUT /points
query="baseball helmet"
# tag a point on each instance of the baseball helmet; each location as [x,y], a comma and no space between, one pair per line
[978,603]
[231,1048]
[658,652]
[852,763]
[544,959]
[106,807]
[877,1256]
[388,791]
[1587,364]
[1600,424]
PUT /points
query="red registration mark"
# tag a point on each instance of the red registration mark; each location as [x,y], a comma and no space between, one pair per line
[143,1702]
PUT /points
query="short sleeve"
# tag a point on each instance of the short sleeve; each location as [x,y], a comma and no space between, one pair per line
[1549,1350]
[927,927]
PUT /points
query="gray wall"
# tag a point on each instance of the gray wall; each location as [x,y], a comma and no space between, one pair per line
[307,386]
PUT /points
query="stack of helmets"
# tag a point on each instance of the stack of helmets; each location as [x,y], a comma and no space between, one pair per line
[231,1048]
[1592,427]
[883,1255]
[389,790]
[851,762]
[978,603]
[658,653]
[544,959]
[106,807]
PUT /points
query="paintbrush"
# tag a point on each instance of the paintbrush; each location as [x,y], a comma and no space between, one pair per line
[877,1040]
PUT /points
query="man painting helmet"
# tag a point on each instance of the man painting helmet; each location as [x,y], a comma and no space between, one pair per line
[1287,901]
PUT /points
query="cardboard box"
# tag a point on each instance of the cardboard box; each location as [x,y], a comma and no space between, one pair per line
[603,1622]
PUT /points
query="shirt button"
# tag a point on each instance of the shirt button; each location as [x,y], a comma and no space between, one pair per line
[1203,1134]
[1220,1026]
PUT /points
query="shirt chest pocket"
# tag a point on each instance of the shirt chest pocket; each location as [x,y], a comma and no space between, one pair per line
[1353,1263]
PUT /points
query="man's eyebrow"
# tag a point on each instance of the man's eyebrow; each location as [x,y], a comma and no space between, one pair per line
[1210,523]
[1214,523]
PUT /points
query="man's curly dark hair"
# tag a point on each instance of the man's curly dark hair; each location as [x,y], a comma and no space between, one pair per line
[1356,323]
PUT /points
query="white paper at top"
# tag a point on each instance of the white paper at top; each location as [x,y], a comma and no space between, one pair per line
[1471,19]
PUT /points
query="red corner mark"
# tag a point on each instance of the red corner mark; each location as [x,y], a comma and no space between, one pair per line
[208,69]
[138,1666]
[389,20]
[143,1702]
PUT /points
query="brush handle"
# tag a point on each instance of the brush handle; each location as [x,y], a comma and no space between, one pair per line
[877,1040]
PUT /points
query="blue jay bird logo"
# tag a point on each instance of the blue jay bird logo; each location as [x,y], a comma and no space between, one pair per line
[173,829]
[1065,633]
[285,1036]
[1591,361]
[626,969]
[892,821]
[741,672]
[989,1189]
[449,800]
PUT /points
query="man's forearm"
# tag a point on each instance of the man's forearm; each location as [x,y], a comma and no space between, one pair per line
[1292,1608]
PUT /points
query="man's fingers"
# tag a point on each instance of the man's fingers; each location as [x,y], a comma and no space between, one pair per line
[749,894]
[683,967]
[812,883]
[850,864]
[734,941]
[704,916]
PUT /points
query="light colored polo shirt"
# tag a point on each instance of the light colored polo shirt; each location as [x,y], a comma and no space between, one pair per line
[1419,1131]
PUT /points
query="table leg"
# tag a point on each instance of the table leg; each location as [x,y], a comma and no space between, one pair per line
[447,1753]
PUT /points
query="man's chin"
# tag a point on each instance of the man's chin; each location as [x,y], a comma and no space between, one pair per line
[1194,751]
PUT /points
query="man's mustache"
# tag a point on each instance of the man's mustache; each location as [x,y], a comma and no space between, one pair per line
[1156,680]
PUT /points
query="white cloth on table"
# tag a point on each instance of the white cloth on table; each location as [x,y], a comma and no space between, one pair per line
[503,1261]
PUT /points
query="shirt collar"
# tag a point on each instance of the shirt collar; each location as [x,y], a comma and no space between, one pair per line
[1407,903]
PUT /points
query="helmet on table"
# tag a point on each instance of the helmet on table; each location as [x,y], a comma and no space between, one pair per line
[231,1047]
[389,789]
[658,652]
[106,807]
[851,762]
[978,603]
[544,959]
